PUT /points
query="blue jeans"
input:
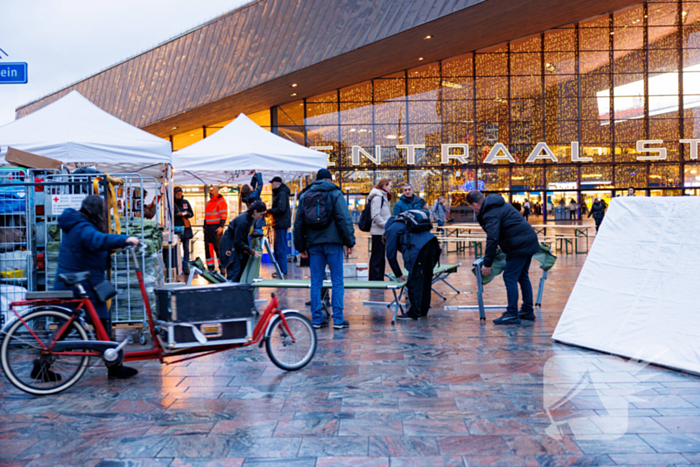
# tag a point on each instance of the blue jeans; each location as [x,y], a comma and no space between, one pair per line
[517,272]
[330,254]
[281,249]
[441,224]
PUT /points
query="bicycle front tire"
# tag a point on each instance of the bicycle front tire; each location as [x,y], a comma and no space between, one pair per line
[284,353]
[33,370]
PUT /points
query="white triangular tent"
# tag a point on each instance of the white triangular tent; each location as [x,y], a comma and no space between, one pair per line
[232,153]
[76,132]
[636,294]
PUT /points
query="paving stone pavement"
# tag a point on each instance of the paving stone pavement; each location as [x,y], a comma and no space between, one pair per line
[444,391]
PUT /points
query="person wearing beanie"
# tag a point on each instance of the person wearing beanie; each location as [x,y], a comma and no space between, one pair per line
[281,220]
[321,228]
[183,227]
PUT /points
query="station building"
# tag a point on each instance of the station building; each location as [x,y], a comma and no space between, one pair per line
[538,99]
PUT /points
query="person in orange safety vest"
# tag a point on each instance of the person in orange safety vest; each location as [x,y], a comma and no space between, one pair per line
[215,217]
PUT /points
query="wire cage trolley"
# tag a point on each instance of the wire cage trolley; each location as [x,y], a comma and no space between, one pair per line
[34,201]
[48,349]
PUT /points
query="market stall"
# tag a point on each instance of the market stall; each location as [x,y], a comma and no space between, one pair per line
[230,156]
[100,154]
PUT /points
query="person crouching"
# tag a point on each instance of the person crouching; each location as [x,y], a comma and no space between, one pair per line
[410,233]
[235,249]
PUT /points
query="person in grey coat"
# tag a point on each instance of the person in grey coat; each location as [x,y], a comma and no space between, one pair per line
[439,212]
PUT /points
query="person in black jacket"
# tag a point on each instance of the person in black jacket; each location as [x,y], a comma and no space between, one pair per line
[183,227]
[235,248]
[86,246]
[505,227]
[281,220]
[598,212]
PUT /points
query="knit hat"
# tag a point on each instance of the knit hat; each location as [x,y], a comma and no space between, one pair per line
[276,179]
[324,174]
[177,190]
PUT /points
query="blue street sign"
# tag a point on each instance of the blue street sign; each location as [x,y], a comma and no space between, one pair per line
[13,73]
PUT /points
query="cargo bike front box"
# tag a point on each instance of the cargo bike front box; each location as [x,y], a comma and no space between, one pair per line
[221,313]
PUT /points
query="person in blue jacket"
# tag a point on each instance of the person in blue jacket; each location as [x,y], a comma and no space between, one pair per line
[86,247]
[408,201]
[420,252]
[251,193]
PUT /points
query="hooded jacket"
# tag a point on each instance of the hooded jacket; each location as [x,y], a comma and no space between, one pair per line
[280,210]
[234,241]
[505,227]
[379,204]
[399,238]
[340,229]
[85,248]
[406,204]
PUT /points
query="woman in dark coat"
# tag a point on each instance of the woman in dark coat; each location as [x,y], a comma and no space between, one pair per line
[235,249]
[598,212]
[183,228]
[86,247]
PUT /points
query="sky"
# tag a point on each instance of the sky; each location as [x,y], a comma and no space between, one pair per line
[64,41]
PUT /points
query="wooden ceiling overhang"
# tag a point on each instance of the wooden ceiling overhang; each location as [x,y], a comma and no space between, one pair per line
[213,73]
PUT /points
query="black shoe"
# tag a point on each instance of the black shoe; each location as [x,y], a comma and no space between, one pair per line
[277,276]
[321,325]
[527,316]
[308,303]
[41,372]
[121,372]
[343,325]
[408,316]
[507,318]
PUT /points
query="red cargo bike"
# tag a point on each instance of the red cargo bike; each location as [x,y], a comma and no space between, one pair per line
[48,348]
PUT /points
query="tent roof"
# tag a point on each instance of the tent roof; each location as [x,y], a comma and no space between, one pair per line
[75,131]
[232,153]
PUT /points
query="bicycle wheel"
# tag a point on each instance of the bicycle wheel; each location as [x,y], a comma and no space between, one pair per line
[285,353]
[30,369]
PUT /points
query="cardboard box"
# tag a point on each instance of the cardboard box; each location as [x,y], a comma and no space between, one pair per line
[29,160]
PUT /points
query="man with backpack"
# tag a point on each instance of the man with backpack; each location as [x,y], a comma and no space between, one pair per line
[410,233]
[321,228]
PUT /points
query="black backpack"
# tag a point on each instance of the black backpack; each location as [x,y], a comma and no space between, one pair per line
[317,210]
[416,220]
[365,222]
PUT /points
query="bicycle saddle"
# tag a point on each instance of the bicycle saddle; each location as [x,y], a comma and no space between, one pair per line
[73,277]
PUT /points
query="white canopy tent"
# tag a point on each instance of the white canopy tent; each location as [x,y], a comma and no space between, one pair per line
[77,133]
[635,296]
[230,155]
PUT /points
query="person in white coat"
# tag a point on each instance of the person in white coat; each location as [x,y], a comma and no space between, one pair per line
[379,199]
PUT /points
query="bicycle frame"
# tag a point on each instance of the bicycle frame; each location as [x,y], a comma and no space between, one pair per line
[157,353]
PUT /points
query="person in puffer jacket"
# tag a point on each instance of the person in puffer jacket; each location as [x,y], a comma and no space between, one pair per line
[507,229]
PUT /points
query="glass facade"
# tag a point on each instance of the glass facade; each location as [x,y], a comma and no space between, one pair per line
[592,91]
